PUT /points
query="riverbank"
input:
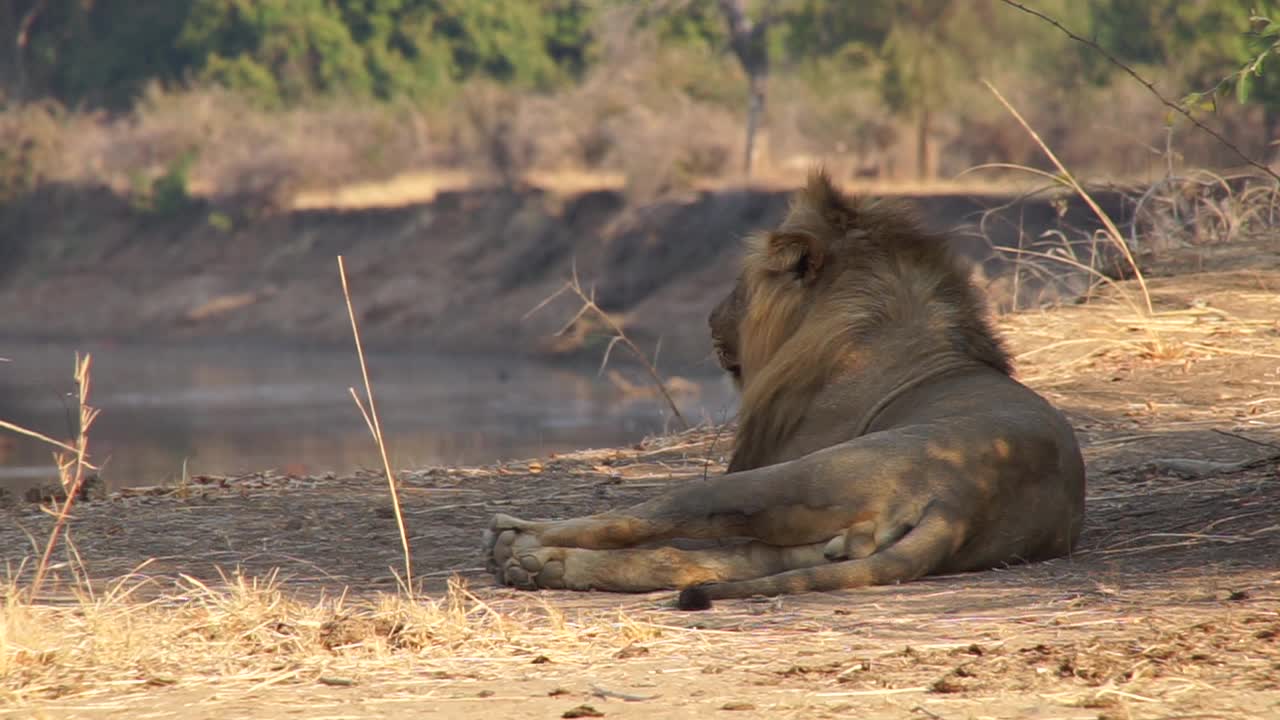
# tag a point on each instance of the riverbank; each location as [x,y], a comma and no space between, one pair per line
[456,273]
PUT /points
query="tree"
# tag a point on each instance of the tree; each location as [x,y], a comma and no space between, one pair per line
[100,53]
[930,47]
[20,43]
[1213,49]
[104,52]
[749,40]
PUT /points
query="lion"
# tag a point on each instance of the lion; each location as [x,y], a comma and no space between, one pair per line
[881,434]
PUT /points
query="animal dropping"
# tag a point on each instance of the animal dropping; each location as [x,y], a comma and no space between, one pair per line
[881,435]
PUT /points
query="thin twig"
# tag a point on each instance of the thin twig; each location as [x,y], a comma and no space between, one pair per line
[371,418]
[574,285]
[1074,263]
[1112,231]
[70,468]
[711,449]
[1247,439]
[606,693]
[38,436]
[363,413]
[1150,86]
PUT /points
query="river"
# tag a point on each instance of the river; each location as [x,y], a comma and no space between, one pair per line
[227,408]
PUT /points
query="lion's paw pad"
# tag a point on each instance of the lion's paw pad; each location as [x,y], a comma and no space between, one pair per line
[532,566]
[516,558]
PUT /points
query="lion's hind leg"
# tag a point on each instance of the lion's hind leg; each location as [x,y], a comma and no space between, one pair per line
[863,539]
[922,550]
[530,565]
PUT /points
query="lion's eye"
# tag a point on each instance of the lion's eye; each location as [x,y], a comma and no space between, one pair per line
[728,362]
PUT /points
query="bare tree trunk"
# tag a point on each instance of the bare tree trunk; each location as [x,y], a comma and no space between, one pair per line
[922,145]
[755,109]
[748,41]
[20,50]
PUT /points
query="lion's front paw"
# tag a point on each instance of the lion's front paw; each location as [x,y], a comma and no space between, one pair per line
[517,558]
[495,536]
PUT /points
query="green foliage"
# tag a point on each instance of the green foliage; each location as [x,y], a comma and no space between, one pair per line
[1263,43]
[283,52]
[852,32]
[169,193]
[222,222]
[698,26]
[100,52]
[915,56]
[1214,47]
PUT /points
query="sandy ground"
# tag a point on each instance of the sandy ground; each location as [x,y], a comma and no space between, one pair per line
[1169,608]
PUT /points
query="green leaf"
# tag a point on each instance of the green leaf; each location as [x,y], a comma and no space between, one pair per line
[1243,88]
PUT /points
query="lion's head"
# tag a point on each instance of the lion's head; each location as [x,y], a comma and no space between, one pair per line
[839,281]
[724,331]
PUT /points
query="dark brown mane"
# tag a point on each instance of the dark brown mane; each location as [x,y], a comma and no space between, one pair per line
[882,276]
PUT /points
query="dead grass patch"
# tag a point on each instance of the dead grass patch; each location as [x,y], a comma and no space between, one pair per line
[248,634]
[1217,323]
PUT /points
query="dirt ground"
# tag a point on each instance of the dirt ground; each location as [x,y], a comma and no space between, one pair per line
[1169,608]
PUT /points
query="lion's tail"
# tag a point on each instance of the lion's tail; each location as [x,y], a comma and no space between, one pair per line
[920,551]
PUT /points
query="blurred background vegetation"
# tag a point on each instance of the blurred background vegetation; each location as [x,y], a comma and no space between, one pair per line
[270,97]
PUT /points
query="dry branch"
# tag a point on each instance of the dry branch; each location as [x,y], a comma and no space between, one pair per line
[71,462]
[1150,86]
[574,285]
[375,428]
[71,459]
[1113,233]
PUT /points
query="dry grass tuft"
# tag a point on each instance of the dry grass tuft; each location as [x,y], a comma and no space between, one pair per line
[1061,343]
[1196,210]
[249,634]
[1112,234]
[1200,208]
[72,459]
[375,429]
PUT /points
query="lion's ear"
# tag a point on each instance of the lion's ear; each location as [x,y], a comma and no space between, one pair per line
[822,197]
[797,252]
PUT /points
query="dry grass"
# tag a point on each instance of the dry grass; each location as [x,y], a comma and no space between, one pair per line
[375,429]
[1199,208]
[1213,324]
[1178,212]
[250,634]
[250,641]
[1111,234]
[72,460]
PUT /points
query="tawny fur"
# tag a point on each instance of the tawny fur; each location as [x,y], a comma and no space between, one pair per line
[881,436]
[793,340]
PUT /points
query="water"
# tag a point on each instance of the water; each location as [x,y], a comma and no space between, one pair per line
[227,409]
